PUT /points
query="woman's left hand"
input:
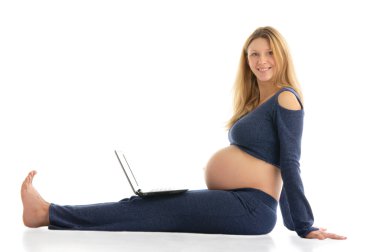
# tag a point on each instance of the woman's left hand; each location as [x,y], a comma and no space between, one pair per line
[321,234]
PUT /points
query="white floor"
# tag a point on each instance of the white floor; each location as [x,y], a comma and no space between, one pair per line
[42,239]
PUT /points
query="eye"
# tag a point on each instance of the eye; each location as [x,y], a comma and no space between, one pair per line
[270,53]
[254,54]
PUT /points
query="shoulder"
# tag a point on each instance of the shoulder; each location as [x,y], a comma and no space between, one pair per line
[287,99]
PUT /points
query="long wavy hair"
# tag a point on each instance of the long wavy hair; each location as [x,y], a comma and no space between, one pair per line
[246,89]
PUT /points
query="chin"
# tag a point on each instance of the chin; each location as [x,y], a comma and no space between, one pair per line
[265,79]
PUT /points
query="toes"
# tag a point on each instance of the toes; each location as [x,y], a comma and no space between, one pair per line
[28,180]
[32,173]
[31,176]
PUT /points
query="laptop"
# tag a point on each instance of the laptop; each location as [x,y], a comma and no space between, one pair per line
[135,186]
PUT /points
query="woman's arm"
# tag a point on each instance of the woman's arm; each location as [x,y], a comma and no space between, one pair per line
[296,210]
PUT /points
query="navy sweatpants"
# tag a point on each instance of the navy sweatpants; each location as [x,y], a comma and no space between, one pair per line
[244,211]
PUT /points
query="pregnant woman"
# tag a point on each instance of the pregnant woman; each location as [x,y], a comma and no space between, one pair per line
[246,180]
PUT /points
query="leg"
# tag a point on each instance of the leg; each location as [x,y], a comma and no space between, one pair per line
[202,211]
[36,209]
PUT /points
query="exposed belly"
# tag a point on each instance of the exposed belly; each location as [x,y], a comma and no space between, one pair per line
[232,168]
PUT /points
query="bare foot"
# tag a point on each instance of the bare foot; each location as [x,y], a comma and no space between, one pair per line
[36,209]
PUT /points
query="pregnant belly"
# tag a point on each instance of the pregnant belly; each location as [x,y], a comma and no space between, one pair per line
[232,168]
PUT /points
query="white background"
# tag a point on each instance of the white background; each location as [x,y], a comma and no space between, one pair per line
[79,79]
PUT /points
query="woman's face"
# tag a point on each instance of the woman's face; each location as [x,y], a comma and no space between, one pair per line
[261,60]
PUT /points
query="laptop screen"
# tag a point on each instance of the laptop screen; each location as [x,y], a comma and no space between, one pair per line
[127,170]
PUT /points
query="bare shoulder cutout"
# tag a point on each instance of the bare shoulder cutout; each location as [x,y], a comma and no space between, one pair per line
[288,100]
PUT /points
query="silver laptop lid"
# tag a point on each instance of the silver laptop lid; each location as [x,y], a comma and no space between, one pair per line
[127,171]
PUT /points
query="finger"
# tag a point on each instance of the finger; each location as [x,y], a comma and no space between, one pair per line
[335,236]
[332,235]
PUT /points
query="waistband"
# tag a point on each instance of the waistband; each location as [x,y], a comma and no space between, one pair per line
[253,193]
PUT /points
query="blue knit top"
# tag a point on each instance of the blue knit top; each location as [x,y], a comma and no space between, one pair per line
[273,134]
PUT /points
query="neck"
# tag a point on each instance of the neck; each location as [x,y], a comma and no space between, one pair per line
[267,90]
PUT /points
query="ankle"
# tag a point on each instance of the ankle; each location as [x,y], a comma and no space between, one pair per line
[46,215]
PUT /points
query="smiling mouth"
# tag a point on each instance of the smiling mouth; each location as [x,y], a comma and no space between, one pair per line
[264,69]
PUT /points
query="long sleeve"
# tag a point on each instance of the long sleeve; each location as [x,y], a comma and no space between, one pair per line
[295,208]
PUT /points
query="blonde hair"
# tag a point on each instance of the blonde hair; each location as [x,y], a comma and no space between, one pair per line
[246,89]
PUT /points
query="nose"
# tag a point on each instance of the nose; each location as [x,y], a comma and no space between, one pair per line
[262,58]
